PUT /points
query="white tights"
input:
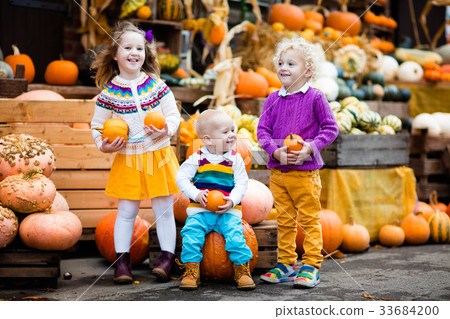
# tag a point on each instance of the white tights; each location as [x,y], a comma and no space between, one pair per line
[165,223]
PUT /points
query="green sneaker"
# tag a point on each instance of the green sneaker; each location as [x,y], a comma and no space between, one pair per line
[308,277]
[280,273]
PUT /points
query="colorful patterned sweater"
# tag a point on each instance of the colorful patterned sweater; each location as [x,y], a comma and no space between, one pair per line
[204,170]
[131,101]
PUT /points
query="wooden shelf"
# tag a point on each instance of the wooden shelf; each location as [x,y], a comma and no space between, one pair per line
[173,24]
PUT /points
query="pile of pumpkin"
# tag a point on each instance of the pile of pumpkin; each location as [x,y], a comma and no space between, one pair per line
[30,204]
[354,117]
[437,124]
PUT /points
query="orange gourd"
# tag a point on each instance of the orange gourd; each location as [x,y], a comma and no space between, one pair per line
[370,17]
[104,239]
[156,119]
[144,12]
[18,152]
[290,15]
[257,202]
[448,210]
[20,58]
[114,128]
[344,21]
[356,237]
[417,231]
[292,142]
[9,226]
[391,235]
[332,232]
[51,230]
[217,33]
[180,204]
[214,200]
[251,85]
[216,264]
[61,72]
[28,192]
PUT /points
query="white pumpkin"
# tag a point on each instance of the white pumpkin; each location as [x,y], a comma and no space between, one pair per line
[410,71]
[426,121]
[327,70]
[388,67]
[328,86]
[443,120]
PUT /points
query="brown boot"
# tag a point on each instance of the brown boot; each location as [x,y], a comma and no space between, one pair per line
[163,264]
[191,277]
[243,277]
[122,274]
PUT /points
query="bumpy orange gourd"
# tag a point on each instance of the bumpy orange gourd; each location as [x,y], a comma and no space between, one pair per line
[291,16]
[417,231]
[341,20]
[356,237]
[391,235]
[216,264]
[332,232]
[18,152]
[251,85]
[257,202]
[292,142]
[156,119]
[114,128]
[214,200]
[20,58]
[104,239]
[9,226]
[61,72]
[50,230]
[28,192]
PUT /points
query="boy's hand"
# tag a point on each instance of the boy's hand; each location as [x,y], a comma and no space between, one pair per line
[227,206]
[115,146]
[151,129]
[304,153]
[293,158]
[201,197]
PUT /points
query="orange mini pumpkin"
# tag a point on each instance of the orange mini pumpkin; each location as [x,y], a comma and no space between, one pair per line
[391,235]
[292,142]
[214,200]
[114,128]
[61,72]
[416,229]
[356,237]
[217,33]
[156,119]
[314,16]
[20,58]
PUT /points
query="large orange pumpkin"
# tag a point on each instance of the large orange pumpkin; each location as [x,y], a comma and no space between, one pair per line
[61,72]
[270,76]
[20,58]
[251,85]
[391,235]
[104,239]
[180,204]
[156,119]
[356,237]
[257,202]
[9,226]
[332,232]
[114,128]
[50,230]
[28,192]
[291,16]
[344,21]
[416,229]
[18,152]
[216,264]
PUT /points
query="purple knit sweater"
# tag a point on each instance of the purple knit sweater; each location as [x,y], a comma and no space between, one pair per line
[306,114]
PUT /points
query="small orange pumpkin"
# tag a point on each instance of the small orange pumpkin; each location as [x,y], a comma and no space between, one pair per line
[356,237]
[20,58]
[156,119]
[416,229]
[291,16]
[251,85]
[61,72]
[391,235]
[214,199]
[217,33]
[114,128]
[292,142]
[313,25]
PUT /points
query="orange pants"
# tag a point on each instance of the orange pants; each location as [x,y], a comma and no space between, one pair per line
[297,197]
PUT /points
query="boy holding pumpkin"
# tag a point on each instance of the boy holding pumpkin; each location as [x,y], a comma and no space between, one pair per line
[216,167]
[296,109]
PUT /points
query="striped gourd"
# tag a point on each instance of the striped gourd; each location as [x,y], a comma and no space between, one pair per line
[171,10]
[363,106]
[369,121]
[356,131]
[393,121]
[439,224]
[335,106]
[350,100]
[344,122]
[386,129]
[354,113]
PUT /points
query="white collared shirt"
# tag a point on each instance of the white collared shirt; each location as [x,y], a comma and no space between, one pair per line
[283,92]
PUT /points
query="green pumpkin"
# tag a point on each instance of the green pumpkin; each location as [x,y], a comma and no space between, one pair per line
[344,91]
[391,93]
[6,70]
[374,78]
[171,10]
[370,121]
[359,94]
[369,94]
[405,94]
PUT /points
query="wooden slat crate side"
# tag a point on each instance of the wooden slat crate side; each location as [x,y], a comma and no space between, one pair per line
[31,111]
[80,179]
[446,159]
[423,166]
[262,175]
[329,157]
[424,190]
[422,142]
[372,158]
[400,109]
[86,156]
[29,272]
[52,133]
[23,256]
[372,142]
[91,217]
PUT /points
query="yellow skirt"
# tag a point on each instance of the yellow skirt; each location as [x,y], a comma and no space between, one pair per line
[136,177]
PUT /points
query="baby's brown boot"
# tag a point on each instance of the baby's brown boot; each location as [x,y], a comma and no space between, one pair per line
[191,277]
[243,277]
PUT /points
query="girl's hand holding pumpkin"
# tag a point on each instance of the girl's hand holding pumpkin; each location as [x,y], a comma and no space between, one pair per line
[201,197]
[162,132]
[115,146]
[227,206]
[284,157]
[304,153]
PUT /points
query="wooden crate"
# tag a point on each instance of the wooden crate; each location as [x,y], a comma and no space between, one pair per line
[20,265]
[16,86]
[265,232]
[364,151]
[81,169]
[400,109]
[430,160]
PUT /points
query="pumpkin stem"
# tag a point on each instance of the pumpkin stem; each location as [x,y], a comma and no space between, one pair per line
[31,172]
[433,200]
[15,50]
[287,2]
[352,220]
[343,4]
[290,136]
[396,222]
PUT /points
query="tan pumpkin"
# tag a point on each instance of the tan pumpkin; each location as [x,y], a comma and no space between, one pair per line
[356,237]
[291,16]
[332,232]
[60,203]
[46,95]
[61,72]
[9,226]
[417,231]
[251,85]
[439,223]
[216,264]
[257,202]
[18,152]
[28,192]
[51,230]
[19,58]
[391,235]
[344,21]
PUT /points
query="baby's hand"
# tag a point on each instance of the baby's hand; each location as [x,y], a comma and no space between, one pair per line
[227,206]
[201,197]
[151,129]
[304,153]
[115,146]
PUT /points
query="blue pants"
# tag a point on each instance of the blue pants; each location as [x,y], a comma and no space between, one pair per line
[199,225]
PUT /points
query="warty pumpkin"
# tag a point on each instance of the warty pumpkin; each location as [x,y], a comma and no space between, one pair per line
[61,72]
[356,237]
[291,16]
[9,226]
[20,58]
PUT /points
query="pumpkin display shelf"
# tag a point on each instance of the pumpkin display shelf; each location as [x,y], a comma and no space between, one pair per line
[16,86]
